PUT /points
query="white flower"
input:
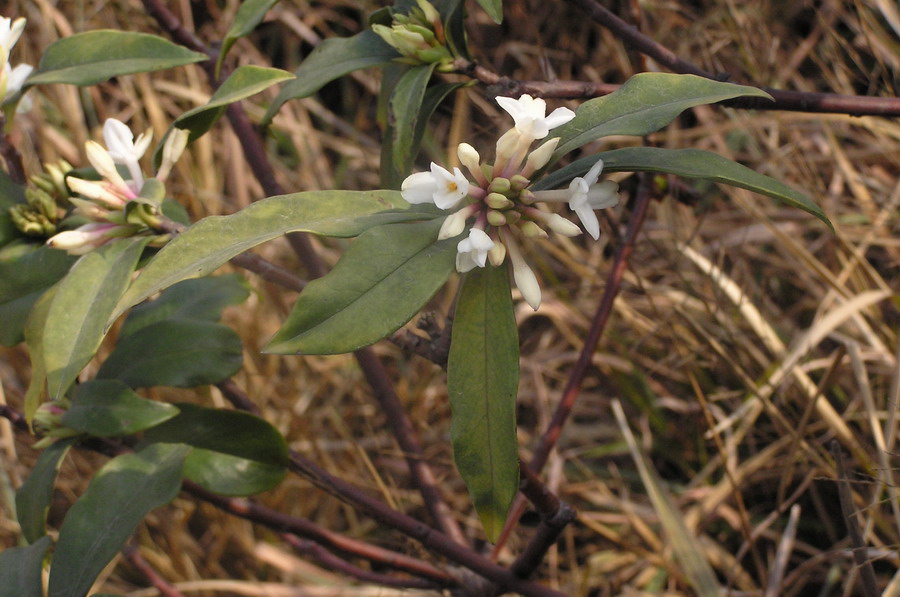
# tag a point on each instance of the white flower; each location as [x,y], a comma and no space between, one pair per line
[586,195]
[538,158]
[124,149]
[455,223]
[98,191]
[440,186]
[9,32]
[473,250]
[16,79]
[174,146]
[529,115]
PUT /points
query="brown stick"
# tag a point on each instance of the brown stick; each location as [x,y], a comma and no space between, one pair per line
[133,555]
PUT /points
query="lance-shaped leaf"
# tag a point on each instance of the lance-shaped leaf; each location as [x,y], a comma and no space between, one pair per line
[212,241]
[242,83]
[33,497]
[98,524]
[25,273]
[34,339]
[21,568]
[689,163]
[383,280]
[181,353]
[106,407]
[96,56]
[248,17]
[235,453]
[482,379]
[332,59]
[202,299]
[81,306]
[404,111]
[644,104]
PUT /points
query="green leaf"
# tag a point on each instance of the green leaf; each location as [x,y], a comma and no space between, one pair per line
[103,408]
[453,15]
[26,271]
[182,353]
[248,18]
[96,56]
[20,570]
[689,163]
[494,8]
[231,475]
[242,83]
[212,241]
[201,298]
[385,277]
[645,103]
[482,379]
[98,524]
[404,107]
[34,339]
[253,446]
[34,496]
[81,306]
[332,59]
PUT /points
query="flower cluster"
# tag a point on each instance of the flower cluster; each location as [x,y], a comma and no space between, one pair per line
[11,79]
[418,36]
[499,199]
[118,205]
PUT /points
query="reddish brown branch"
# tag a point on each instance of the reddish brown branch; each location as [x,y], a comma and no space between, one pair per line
[133,555]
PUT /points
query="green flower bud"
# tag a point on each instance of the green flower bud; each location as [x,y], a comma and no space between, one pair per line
[532,230]
[496,218]
[499,185]
[498,201]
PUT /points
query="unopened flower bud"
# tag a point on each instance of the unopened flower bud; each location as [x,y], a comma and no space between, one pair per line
[499,185]
[497,254]
[538,158]
[429,11]
[532,230]
[454,224]
[518,183]
[175,144]
[560,225]
[498,201]
[496,218]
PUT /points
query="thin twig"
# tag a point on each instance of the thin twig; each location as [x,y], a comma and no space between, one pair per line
[424,534]
[555,515]
[275,520]
[333,562]
[166,589]
[853,105]
[257,159]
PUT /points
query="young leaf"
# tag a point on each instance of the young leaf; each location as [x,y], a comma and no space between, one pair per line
[689,163]
[21,568]
[645,103]
[182,353]
[377,286]
[212,241]
[248,17]
[332,59]
[235,453]
[96,56]
[404,109]
[242,83]
[201,298]
[98,524]
[494,8]
[103,408]
[81,306]
[482,379]
[33,497]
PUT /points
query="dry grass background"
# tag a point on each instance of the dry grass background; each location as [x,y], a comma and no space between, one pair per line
[746,339]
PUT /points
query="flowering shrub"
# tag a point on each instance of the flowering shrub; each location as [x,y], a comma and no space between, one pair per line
[138,253]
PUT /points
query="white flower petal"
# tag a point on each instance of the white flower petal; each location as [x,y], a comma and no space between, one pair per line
[451,188]
[588,220]
[419,188]
[473,250]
